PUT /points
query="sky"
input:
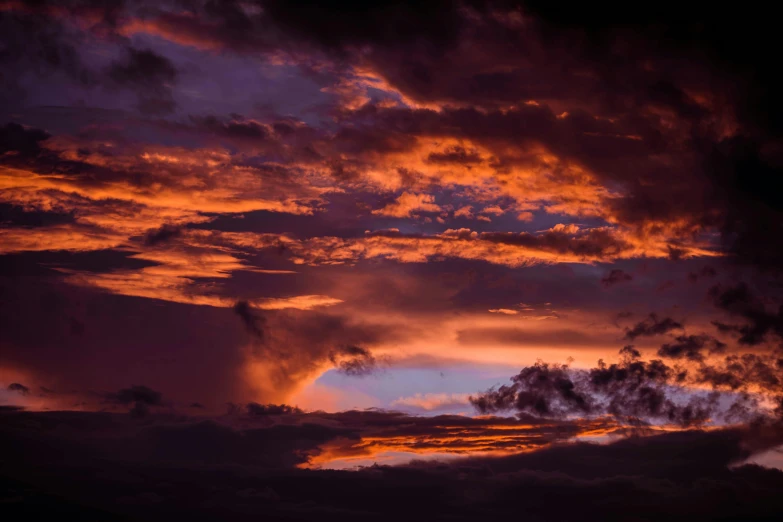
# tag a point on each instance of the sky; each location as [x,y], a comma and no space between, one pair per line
[451,248]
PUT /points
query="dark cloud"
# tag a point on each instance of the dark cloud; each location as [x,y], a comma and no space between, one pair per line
[141,394]
[237,128]
[151,75]
[22,140]
[651,326]
[705,272]
[741,302]
[291,344]
[745,372]
[691,347]
[542,389]
[253,408]
[647,390]
[593,243]
[141,397]
[616,276]
[35,43]
[163,234]
[253,321]
[18,388]
[205,471]
[354,361]
[456,154]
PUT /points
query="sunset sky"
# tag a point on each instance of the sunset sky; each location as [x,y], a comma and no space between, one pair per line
[353,225]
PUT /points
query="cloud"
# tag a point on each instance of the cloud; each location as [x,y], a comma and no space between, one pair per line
[648,390]
[706,271]
[22,140]
[502,248]
[236,128]
[652,326]
[18,388]
[150,74]
[255,409]
[740,301]
[162,234]
[354,361]
[504,311]
[289,347]
[254,323]
[614,277]
[408,203]
[691,347]
[141,397]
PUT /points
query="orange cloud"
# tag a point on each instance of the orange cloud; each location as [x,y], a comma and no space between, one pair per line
[509,249]
[408,203]
[449,436]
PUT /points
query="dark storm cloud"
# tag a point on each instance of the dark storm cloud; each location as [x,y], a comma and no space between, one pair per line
[616,276]
[652,326]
